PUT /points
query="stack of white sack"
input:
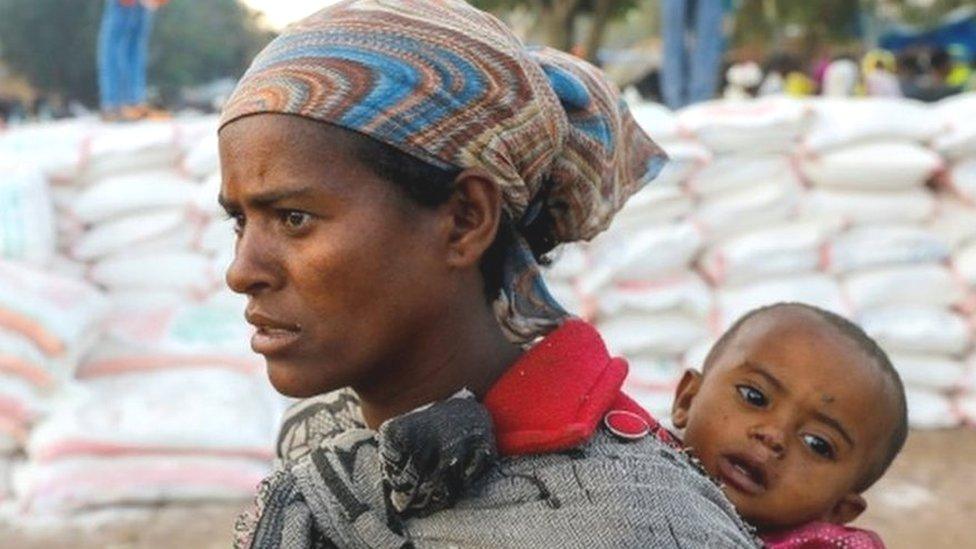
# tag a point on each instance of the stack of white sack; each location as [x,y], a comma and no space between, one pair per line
[150,437]
[46,322]
[567,263]
[136,220]
[867,162]
[649,305]
[957,143]
[26,214]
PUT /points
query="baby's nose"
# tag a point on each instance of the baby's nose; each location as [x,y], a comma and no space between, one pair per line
[771,438]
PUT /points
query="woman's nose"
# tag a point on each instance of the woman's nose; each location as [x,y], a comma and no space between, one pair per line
[252,270]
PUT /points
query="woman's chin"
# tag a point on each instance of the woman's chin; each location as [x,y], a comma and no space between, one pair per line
[293,380]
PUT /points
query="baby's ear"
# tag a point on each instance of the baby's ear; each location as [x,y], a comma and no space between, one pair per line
[847,509]
[687,389]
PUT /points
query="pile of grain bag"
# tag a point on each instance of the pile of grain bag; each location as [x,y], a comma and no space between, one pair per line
[47,322]
[162,399]
[827,202]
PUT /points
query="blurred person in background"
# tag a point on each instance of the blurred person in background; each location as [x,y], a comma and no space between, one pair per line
[694,40]
[934,84]
[879,74]
[123,51]
[841,78]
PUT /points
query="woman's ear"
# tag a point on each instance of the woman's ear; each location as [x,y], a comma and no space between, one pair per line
[472,216]
[687,389]
[847,509]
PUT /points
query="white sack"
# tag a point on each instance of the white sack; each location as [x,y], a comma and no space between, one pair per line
[129,194]
[189,411]
[27,227]
[653,205]
[880,245]
[205,199]
[843,122]
[684,158]
[734,172]
[749,208]
[917,329]
[20,401]
[765,125]
[653,373]
[186,272]
[631,334]
[203,159]
[962,178]
[186,335]
[569,261]
[930,410]
[686,294]
[931,372]
[815,289]
[77,484]
[217,236]
[651,253]
[56,313]
[656,120]
[958,136]
[19,356]
[965,263]
[927,284]
[116,149]
[866,207]
[56,148]
[788,249]
[131,232]
[884,166]
[955,223]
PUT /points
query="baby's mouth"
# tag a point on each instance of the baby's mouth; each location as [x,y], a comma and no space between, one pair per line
[742,473]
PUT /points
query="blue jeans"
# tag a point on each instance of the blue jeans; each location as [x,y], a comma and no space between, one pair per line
[123,51]
[693,46]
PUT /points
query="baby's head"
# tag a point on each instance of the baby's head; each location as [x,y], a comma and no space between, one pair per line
[797,412]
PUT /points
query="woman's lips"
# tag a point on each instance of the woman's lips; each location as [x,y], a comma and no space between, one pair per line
[271,341]
[742,474]
[271,336]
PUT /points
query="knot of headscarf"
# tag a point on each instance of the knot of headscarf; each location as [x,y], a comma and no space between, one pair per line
[451,85]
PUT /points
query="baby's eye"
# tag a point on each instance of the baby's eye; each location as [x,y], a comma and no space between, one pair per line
[752,395]
[295,220]
[819,446]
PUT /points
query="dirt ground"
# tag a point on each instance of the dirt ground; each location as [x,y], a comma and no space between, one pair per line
[928,499]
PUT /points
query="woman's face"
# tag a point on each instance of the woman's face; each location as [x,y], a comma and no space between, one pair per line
[341,270]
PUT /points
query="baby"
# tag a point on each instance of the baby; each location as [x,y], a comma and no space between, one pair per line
[796,412]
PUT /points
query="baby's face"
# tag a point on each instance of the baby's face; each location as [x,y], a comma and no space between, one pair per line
[790,418]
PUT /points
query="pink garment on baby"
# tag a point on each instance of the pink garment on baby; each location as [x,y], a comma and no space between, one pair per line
[823,535]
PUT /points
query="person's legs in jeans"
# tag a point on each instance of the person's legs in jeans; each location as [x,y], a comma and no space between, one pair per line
[111,37]
[137,54]
[706,56]
[674,64]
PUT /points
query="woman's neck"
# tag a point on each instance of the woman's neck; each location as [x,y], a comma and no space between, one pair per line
[458,355]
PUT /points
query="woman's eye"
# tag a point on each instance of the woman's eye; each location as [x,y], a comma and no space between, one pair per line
[238,220]
[295,220]
[752,395]
[819,446]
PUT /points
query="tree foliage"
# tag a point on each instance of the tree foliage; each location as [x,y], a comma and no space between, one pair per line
[53,43]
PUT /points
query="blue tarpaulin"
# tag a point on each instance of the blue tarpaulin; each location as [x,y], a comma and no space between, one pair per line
[957,28]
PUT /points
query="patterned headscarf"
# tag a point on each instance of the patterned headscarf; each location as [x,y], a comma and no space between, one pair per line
[451,85]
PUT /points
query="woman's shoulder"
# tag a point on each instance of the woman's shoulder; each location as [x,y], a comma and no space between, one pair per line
[605,493]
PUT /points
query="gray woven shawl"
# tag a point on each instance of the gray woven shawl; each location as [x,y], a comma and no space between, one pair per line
[431,478]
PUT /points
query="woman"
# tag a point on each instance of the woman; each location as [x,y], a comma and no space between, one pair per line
[396,169]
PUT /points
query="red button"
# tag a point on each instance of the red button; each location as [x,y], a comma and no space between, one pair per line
[626,425]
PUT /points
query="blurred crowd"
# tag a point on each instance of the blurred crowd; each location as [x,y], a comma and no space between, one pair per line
[927,74]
